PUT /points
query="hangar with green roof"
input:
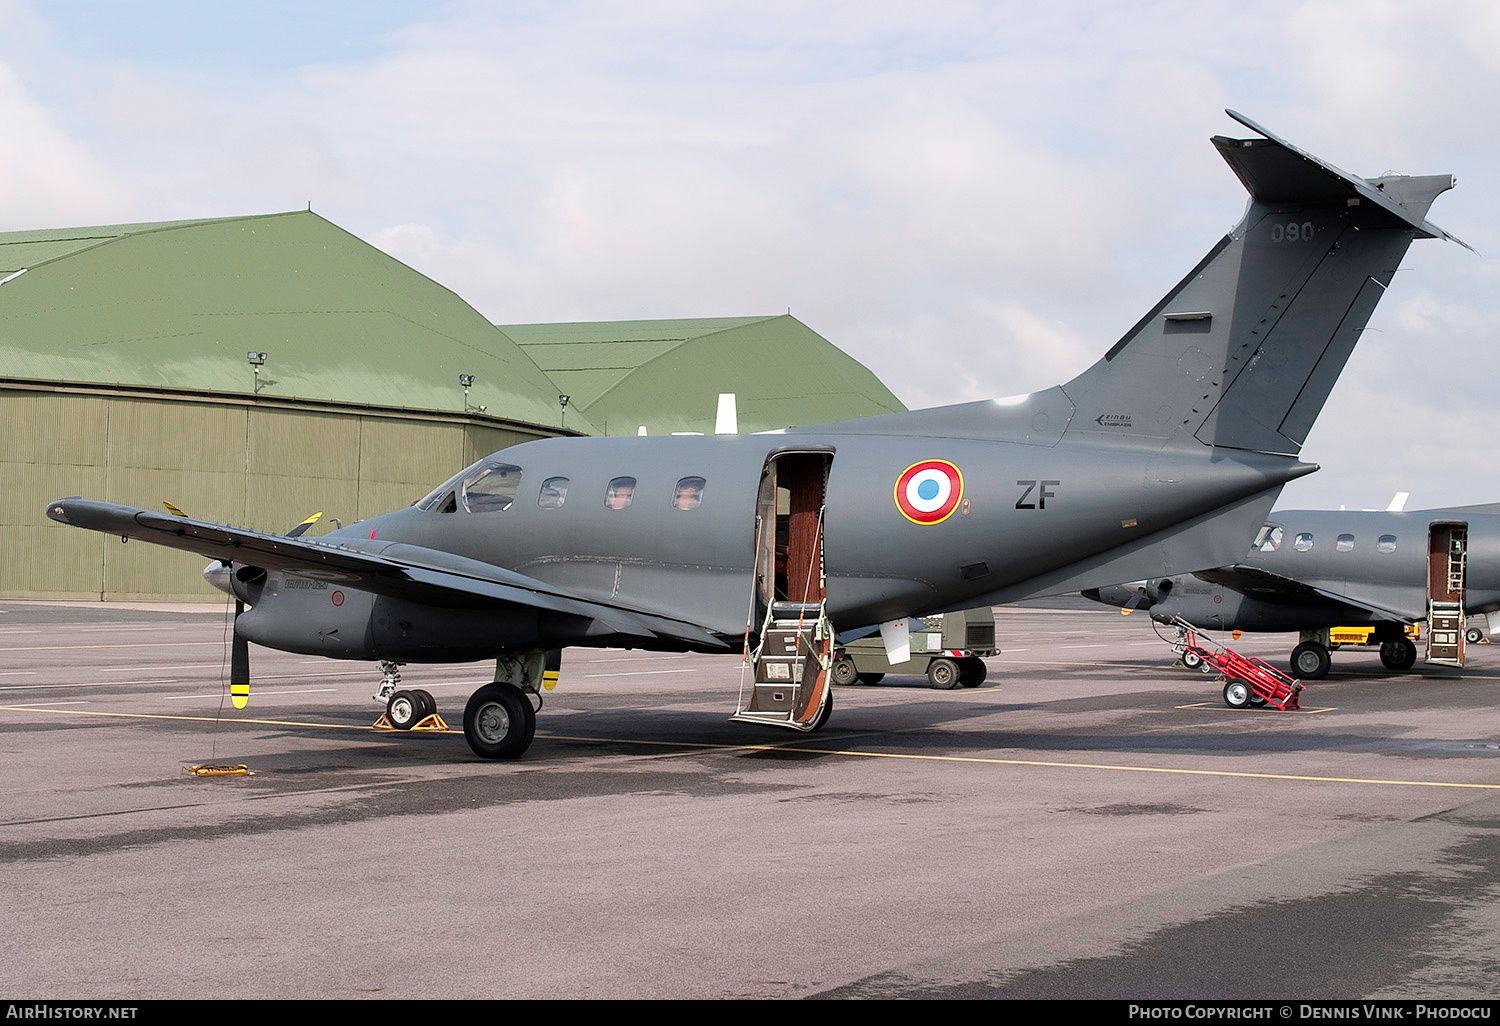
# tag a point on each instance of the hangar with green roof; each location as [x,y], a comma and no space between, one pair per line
[127,374]
[666,376]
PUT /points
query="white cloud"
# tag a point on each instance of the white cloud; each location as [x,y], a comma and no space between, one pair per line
[47,178]
[998,189]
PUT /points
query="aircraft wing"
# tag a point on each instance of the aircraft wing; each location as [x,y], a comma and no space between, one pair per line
[384,568]
[1260,584]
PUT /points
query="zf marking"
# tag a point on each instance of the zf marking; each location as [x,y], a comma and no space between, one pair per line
[1042,494]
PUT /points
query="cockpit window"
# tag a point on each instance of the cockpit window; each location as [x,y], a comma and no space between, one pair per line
[491,487]
[443,498]
[1269,538]
[553,494]
[620,493]
[1303,542]
[488,486]
[689,493]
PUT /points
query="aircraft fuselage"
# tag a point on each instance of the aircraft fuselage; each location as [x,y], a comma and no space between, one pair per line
[1024,510]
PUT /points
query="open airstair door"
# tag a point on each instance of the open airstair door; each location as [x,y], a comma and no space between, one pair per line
[789,641]
[1447,546]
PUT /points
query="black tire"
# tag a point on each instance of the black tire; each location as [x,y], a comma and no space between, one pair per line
[972,671]
[499,722]
[843,673]
[1310,661]
[1192,660]
[1237,694]
[1473,635]
[943,673]
[429,704]
[871,678]
[1257,702]
[404,710]
[1399,656]
[823,716]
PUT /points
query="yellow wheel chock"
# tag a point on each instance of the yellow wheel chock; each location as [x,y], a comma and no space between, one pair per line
[432,722]
[219,771]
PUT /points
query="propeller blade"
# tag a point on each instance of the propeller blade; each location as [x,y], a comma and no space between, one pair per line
[173,509]
[301,528]
[239,664]
[1135,601]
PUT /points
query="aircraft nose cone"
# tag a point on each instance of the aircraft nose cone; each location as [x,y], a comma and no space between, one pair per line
[217,574]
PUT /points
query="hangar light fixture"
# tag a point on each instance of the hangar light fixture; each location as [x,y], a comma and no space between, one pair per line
[257,361]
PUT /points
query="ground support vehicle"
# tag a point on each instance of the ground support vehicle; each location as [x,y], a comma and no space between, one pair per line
[950,649]
[1249,682]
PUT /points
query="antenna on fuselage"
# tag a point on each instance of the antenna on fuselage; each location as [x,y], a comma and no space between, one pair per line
[727,420]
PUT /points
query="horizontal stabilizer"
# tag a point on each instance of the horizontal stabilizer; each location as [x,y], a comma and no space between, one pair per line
[1276,172]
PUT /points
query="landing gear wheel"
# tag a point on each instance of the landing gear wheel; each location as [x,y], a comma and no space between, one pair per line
[971,671]
[1310,661]
[1473,635]
[428,703]
[1192,660]
[871,678]
[943,674]
[1237,694]
[844,673]
[823,716]
[1399,656]
[404,709]
[499,722]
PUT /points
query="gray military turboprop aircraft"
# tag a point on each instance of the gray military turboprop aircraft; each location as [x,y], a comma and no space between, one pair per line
[1162,456]
[1311,570]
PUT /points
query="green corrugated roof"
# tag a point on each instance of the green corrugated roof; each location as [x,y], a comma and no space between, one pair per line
[178,304]
[668,374]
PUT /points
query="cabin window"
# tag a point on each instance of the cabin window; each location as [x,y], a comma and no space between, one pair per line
[620,493]
[1304,542]
[689,493]
[1386,543]
[491,487]
[553,494]
[1345,543]
[1269,538]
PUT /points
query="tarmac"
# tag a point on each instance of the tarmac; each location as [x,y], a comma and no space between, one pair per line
[1091,822]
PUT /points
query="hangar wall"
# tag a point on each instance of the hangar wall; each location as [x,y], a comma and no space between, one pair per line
[255,464]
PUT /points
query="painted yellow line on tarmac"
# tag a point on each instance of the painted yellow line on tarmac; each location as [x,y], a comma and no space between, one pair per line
[134,644]
[970,759]
[1225,708]
[1142,769]
[202,719]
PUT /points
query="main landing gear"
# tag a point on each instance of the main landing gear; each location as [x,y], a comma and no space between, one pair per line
[1311,660]
[1399,656]
[500,721]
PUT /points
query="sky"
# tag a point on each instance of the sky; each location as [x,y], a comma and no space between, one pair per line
[972,199]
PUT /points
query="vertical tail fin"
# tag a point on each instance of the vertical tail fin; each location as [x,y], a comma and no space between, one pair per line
[1244,351]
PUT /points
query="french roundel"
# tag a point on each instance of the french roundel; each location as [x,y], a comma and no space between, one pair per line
[929,492]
